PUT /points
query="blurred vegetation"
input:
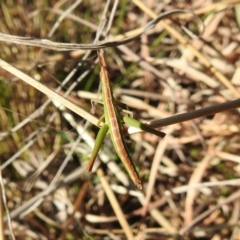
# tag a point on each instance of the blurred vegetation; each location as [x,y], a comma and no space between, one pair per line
[203,152]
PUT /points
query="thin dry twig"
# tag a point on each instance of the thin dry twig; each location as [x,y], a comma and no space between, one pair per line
[115,205]
[44,43]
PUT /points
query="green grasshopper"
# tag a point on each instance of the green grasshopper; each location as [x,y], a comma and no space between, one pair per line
[114,126]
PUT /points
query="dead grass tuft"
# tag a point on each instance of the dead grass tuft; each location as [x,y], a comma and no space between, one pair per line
[190,178]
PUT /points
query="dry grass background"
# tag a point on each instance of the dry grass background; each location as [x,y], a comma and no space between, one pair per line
[190,178]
